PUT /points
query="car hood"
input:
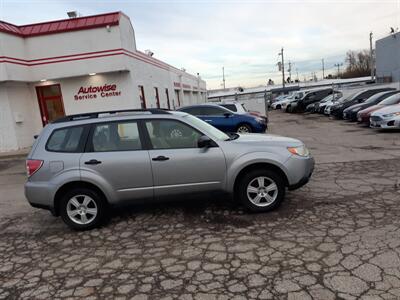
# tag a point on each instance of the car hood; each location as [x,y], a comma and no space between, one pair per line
[354,107]
[387,110]
[254,139]
[370,109]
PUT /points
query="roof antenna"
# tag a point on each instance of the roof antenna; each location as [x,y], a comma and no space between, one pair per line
[72,14]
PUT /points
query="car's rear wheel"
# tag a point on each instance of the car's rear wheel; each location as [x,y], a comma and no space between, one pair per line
[83,209]
[261,190]
[244,128]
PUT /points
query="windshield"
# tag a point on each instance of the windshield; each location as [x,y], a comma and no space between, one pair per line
[391,100]
[327,98]
[374,98]
[206,128]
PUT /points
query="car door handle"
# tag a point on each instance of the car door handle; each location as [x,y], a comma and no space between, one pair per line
[92,162]
[160,158]
[208,120]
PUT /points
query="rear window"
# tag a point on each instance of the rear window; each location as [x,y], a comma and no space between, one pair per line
[65,139]
[231,107]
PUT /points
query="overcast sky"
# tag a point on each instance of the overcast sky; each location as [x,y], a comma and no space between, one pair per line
[244,36]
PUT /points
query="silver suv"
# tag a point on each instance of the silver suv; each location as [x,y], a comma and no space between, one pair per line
[82,164]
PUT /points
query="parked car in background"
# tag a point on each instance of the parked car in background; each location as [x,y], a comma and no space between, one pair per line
[312,96]
[292,97]
[363,116]
[350,113]
[239,108]
[337,109]
[226,120]
[386,118]
[82,165]
[318,107]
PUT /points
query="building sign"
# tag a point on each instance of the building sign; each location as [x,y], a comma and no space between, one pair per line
[95,92]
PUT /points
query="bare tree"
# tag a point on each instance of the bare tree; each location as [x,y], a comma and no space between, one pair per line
[357,64]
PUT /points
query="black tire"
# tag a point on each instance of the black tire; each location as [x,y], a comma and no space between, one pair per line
[288,108]
[244,128]
[100,205]
[249,178]
[278,106]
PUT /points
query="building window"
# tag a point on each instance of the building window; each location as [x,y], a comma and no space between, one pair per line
[141,97]
[167,94]
[177,97]
[50,102]
[157,97]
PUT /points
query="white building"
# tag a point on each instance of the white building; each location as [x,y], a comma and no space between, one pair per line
[388,58]
[85,64]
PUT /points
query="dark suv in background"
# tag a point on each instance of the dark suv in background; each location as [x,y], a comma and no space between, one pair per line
[311,97]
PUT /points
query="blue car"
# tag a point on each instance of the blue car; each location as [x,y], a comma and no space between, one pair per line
[225,119]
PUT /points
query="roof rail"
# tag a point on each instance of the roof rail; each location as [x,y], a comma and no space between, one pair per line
[93,115]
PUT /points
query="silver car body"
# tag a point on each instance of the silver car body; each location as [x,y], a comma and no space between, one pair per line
[130,175]
[386,118]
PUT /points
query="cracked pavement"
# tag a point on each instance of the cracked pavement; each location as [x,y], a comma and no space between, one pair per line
[336,238]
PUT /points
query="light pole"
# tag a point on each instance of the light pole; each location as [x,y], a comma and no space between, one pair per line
[283,68]
[323,69]
[223,76]
[371,55]
[338,68]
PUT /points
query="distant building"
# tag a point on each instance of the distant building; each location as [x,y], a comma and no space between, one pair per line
[388,58]
[78,65]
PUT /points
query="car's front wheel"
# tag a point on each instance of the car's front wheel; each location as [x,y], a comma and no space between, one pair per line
[261,190]
[83,209]
[244,128]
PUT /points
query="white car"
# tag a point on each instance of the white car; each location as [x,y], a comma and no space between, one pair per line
[386,118]
[282,104]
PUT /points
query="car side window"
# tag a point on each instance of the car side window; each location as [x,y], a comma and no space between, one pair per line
[171,134]
[213,111]
[195,111]
[231,107]
[65,139]
[116,136]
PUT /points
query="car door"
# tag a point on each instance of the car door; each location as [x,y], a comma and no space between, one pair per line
[219,117]
[179,165]
[115,160]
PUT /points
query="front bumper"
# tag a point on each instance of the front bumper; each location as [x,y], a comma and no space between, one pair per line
[389,123]
[300,170]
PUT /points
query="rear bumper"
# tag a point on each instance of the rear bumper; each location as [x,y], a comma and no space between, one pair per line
[40,195]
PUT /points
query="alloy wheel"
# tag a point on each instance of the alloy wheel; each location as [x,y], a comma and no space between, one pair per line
[262,191]
[82,209]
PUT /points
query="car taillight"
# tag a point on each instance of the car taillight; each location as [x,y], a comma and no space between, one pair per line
[32,166]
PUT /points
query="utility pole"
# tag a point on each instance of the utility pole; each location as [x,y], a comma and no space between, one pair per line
[223,76]
[283,68]
[323,69]
[290,71]
[338,68]
[371,56]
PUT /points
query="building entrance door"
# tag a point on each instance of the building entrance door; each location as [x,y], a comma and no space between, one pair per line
[50,102]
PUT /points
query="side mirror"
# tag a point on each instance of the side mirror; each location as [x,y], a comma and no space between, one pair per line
[204,142]
[360,100]
[227,115]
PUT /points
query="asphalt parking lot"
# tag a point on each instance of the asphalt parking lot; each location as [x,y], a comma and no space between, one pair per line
[336,238]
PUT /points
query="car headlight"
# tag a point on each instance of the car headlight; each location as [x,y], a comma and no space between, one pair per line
[259,120]
[392,115]
[299,150]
